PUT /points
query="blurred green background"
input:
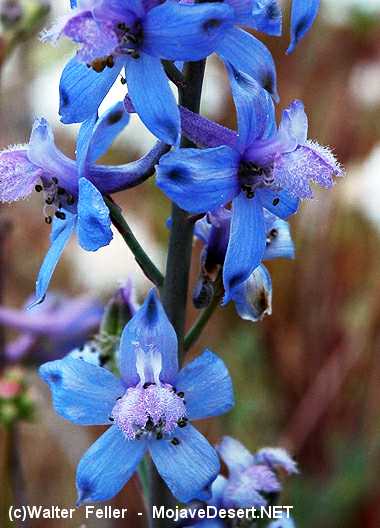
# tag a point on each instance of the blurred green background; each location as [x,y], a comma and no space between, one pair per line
[307,377]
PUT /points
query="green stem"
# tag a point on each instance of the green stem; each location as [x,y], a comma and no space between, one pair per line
[196,330]
[181,233]
[176,283]
[148,267]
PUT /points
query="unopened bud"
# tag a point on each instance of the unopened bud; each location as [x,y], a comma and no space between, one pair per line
[203,293]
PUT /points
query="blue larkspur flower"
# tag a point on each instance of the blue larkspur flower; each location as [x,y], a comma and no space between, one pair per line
[149,408]
[135,35]
[253,297]
[259,168]
[72,189]
[251,479]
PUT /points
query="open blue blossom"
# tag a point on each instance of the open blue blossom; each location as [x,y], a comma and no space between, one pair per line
[149,408]
[259,168]
[135,36]
[52,329]
[251,480]
[72,190]
[253,297]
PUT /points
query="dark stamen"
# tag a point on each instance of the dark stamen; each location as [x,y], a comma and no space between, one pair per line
[60,215]
[38,188]
[175,441]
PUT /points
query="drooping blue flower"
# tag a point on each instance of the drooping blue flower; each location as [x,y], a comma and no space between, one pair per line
[259,168]
[149,408]
[52,329]
[253,297]
[251,479]
[72,189]
[116,35]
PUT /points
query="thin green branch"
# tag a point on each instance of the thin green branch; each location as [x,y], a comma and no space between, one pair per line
[143,260]
[196,330]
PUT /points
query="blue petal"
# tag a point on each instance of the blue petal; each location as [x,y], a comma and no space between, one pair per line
[73,3]
[96,136]
[266,17]
[116,11]
[199,180]
[82,393]
[83,143]
[152,98]
[279,203]
[94,222]
[247,242]
[181,32]
[253,298]
[43,152]
[294,171]
[107,466]
[304,12]
[245,490]
[207,386]
[279,240]
[276,457]
[82,90]
[255,108]
[149,340]
[188,468]
[60,235]
[18,175]
[235,455]
[262,15]
[247,54]
[294,123]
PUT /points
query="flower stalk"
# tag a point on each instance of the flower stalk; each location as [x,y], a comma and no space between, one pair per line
[149,269]
[176,284]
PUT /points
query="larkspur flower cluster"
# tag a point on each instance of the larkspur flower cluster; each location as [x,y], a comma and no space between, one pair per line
[239,188]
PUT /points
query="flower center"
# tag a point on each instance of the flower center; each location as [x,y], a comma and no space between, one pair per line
[149,410]
[55,198]
[252,176]
[130,39]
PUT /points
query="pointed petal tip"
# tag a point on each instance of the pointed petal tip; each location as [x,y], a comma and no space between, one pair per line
[291,48]
[36,302]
